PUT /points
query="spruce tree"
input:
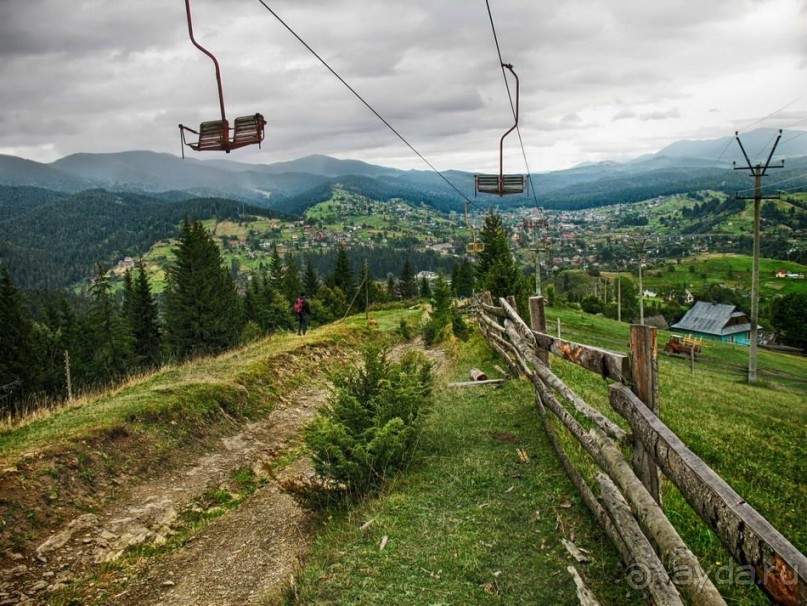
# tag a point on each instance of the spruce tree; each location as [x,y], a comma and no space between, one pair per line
[108,333]
[496,268]
[276,270]
[407,283]
[292,282]
[342,276]
[310,279]
[17,357]
[425,289]
[144,318]
[202,308]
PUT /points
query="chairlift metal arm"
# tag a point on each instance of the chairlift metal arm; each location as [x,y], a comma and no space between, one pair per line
[512,128]
[209,54]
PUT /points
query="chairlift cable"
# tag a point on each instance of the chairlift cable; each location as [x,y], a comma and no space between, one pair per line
[510,97]
[360,98]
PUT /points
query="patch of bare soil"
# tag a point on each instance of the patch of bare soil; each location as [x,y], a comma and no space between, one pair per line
[246,556]
[246,553]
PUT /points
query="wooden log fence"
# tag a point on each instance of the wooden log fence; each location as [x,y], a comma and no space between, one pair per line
[629,503]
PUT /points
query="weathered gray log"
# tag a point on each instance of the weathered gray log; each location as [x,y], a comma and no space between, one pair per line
[491,324]
[493,310]
[515,351]
[607,364]
[780,569]
[521,327]
[547,376]
[644,368]
[675,555]
[477,383]
[477,375]
[542,391]
[646,570]
[585,596]
[514,369]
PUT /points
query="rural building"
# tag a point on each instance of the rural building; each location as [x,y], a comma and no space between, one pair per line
[717,322]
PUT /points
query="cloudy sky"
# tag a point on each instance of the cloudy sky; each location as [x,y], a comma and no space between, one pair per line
[600,79]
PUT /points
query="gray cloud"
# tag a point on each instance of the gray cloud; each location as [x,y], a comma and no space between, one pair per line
[101,75]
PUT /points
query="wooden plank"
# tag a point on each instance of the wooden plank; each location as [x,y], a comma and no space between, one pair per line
[476,383]
[646,570]
[607,364]
[779,568]
[644,369]
[548,377]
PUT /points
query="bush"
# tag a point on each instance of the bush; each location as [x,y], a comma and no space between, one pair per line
[370,427]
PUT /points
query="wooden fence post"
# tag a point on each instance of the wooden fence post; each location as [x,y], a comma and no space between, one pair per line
[644,367]
[538,322]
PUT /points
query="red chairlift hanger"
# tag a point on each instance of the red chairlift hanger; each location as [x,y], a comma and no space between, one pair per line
[501,184]
[214,135]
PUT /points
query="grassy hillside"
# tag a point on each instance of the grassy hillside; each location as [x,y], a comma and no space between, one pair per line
[755,437]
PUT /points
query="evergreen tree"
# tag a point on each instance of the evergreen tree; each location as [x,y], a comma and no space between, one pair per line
[310,279]
[292,282]
[425,289]
[144,318]
[108,333]
[496,268]
[407,283]
[276,270]
[17,358]
[465,280]
[202,309]
[392,289]
[342,276]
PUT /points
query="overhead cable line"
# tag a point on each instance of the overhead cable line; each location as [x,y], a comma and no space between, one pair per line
[769,185]
[360,98]
[510,96]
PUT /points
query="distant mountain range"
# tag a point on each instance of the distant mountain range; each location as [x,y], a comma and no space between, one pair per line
[293,186]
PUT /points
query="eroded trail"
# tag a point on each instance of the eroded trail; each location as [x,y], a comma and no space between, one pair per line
[238,558]
[247,555]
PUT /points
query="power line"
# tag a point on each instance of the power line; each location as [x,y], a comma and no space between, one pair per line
[360,98]
[510,97]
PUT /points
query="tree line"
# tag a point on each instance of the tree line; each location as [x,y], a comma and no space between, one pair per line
[203,311]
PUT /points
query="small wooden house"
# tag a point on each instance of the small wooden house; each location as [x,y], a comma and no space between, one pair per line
[715,321]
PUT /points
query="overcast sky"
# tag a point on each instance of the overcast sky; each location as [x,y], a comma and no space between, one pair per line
[600,79]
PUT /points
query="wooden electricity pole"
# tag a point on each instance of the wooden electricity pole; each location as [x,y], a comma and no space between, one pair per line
[757,172]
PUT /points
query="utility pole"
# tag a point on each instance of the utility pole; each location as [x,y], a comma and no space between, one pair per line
[638,246]
[537,225]
[757,172]
[619,293]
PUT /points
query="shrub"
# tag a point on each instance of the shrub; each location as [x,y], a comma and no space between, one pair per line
[370,427]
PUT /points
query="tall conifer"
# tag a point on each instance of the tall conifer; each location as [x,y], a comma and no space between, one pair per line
[202,308]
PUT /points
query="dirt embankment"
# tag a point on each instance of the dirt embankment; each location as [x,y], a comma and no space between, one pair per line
[73,517]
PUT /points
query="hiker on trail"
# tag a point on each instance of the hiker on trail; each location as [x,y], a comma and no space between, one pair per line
[303,311]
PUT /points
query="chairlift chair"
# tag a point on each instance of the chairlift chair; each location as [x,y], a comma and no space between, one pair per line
[501,184]
[473,247]
[214,135]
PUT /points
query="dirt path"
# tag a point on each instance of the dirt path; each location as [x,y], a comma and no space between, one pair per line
[237,559]
[246,556]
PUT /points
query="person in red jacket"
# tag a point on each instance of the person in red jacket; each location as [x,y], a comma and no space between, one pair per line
[303,311]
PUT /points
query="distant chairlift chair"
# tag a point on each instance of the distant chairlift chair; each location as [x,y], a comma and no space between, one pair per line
[214,135]
[501,184]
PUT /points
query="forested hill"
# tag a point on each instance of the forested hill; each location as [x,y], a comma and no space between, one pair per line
[50,240]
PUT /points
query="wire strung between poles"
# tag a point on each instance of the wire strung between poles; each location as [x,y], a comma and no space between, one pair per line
[360,98]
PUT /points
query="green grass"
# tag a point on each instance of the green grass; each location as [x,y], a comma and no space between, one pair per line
[468,523]
[755,438]
[730,270]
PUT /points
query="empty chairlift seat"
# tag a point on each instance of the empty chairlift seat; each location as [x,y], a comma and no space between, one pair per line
[248,131]
[500,185]
[213,135]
